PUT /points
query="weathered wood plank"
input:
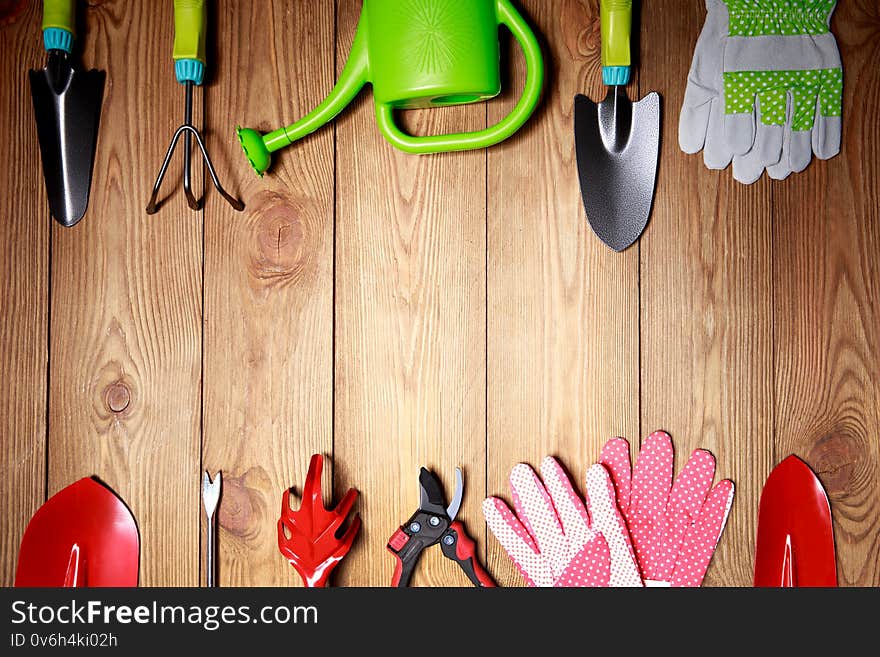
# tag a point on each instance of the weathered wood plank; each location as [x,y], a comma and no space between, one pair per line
[410,324]
[268,281]
[562,307]
[125,331]
[24,285]
[826,235]
[707,301]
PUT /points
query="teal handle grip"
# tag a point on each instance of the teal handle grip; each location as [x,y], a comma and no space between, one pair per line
[190,28]
[616,18]
[510,17]
[59,20]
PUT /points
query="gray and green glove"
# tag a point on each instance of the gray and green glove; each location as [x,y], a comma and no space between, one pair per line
[765,87]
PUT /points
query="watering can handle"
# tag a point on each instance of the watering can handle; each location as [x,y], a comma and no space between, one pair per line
[509,16]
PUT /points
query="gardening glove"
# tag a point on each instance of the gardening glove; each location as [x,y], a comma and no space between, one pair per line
[757,136]
[782,54]
[701,122]
[675,526]
[554,539]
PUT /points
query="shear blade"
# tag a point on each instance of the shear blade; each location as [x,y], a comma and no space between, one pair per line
[431,498]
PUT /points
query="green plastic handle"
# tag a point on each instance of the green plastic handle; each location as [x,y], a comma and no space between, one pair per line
[59,14]
[509,16]
[190,27]
[616,16]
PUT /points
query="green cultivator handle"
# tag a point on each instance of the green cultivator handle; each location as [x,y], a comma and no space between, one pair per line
[190,26]
[616,18]
[58,24]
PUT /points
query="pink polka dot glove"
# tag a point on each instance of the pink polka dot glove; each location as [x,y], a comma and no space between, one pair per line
[675,526]
[554,539]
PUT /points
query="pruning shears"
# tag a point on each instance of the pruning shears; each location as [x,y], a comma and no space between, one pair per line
[434,522]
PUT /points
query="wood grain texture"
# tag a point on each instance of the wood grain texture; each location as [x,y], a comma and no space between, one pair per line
[269,282]
[563,334]
[392,311]
[826,237]
[707,301]
[410,325]
[24,287]
[124,380]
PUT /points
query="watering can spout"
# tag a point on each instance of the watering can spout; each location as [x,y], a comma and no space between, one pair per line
[259,147]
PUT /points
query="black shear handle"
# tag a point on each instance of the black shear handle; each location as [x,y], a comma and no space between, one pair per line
[459,547]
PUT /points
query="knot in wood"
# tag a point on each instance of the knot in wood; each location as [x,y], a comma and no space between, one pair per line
[835,458]
[118,396]
[278,244]
[240,512]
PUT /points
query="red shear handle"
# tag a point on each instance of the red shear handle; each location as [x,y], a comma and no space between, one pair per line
[404,559]
[464,552]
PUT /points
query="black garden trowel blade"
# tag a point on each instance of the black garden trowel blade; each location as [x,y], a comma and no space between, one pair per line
[617,144]
[67,106]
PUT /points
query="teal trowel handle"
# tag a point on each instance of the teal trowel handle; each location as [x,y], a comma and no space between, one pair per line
[190,28]
[58,24]
[509,16]
[616,16]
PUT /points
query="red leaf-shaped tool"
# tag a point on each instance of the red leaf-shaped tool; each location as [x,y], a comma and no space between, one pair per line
[311,538]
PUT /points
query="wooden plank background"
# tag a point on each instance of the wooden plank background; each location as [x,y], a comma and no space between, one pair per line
[392,311]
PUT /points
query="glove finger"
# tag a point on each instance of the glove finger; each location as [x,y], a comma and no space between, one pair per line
[802,114]
[517,542]
[739,132]
[693,121]
[591,566]
[652,477]
[569,507]
[748,168]
[691,486]
[829,112]
[769,137]
[826,136]
[608,521]
[716,152]
[740,96]
[800,150]
[536,511]
[703,537]
[782,169]
[615,459]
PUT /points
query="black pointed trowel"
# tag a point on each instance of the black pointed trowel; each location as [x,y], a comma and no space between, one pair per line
[617,141]
[67,106]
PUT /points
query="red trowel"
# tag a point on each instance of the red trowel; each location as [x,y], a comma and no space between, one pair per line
[82,536]
[795,543]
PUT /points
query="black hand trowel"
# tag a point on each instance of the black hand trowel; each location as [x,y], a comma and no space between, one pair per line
[67,106]
[617,141]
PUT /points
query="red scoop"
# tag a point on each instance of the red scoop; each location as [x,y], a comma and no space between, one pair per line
[82,536]
[795,543]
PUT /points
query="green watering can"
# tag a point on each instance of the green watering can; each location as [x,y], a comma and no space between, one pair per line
[421,53]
